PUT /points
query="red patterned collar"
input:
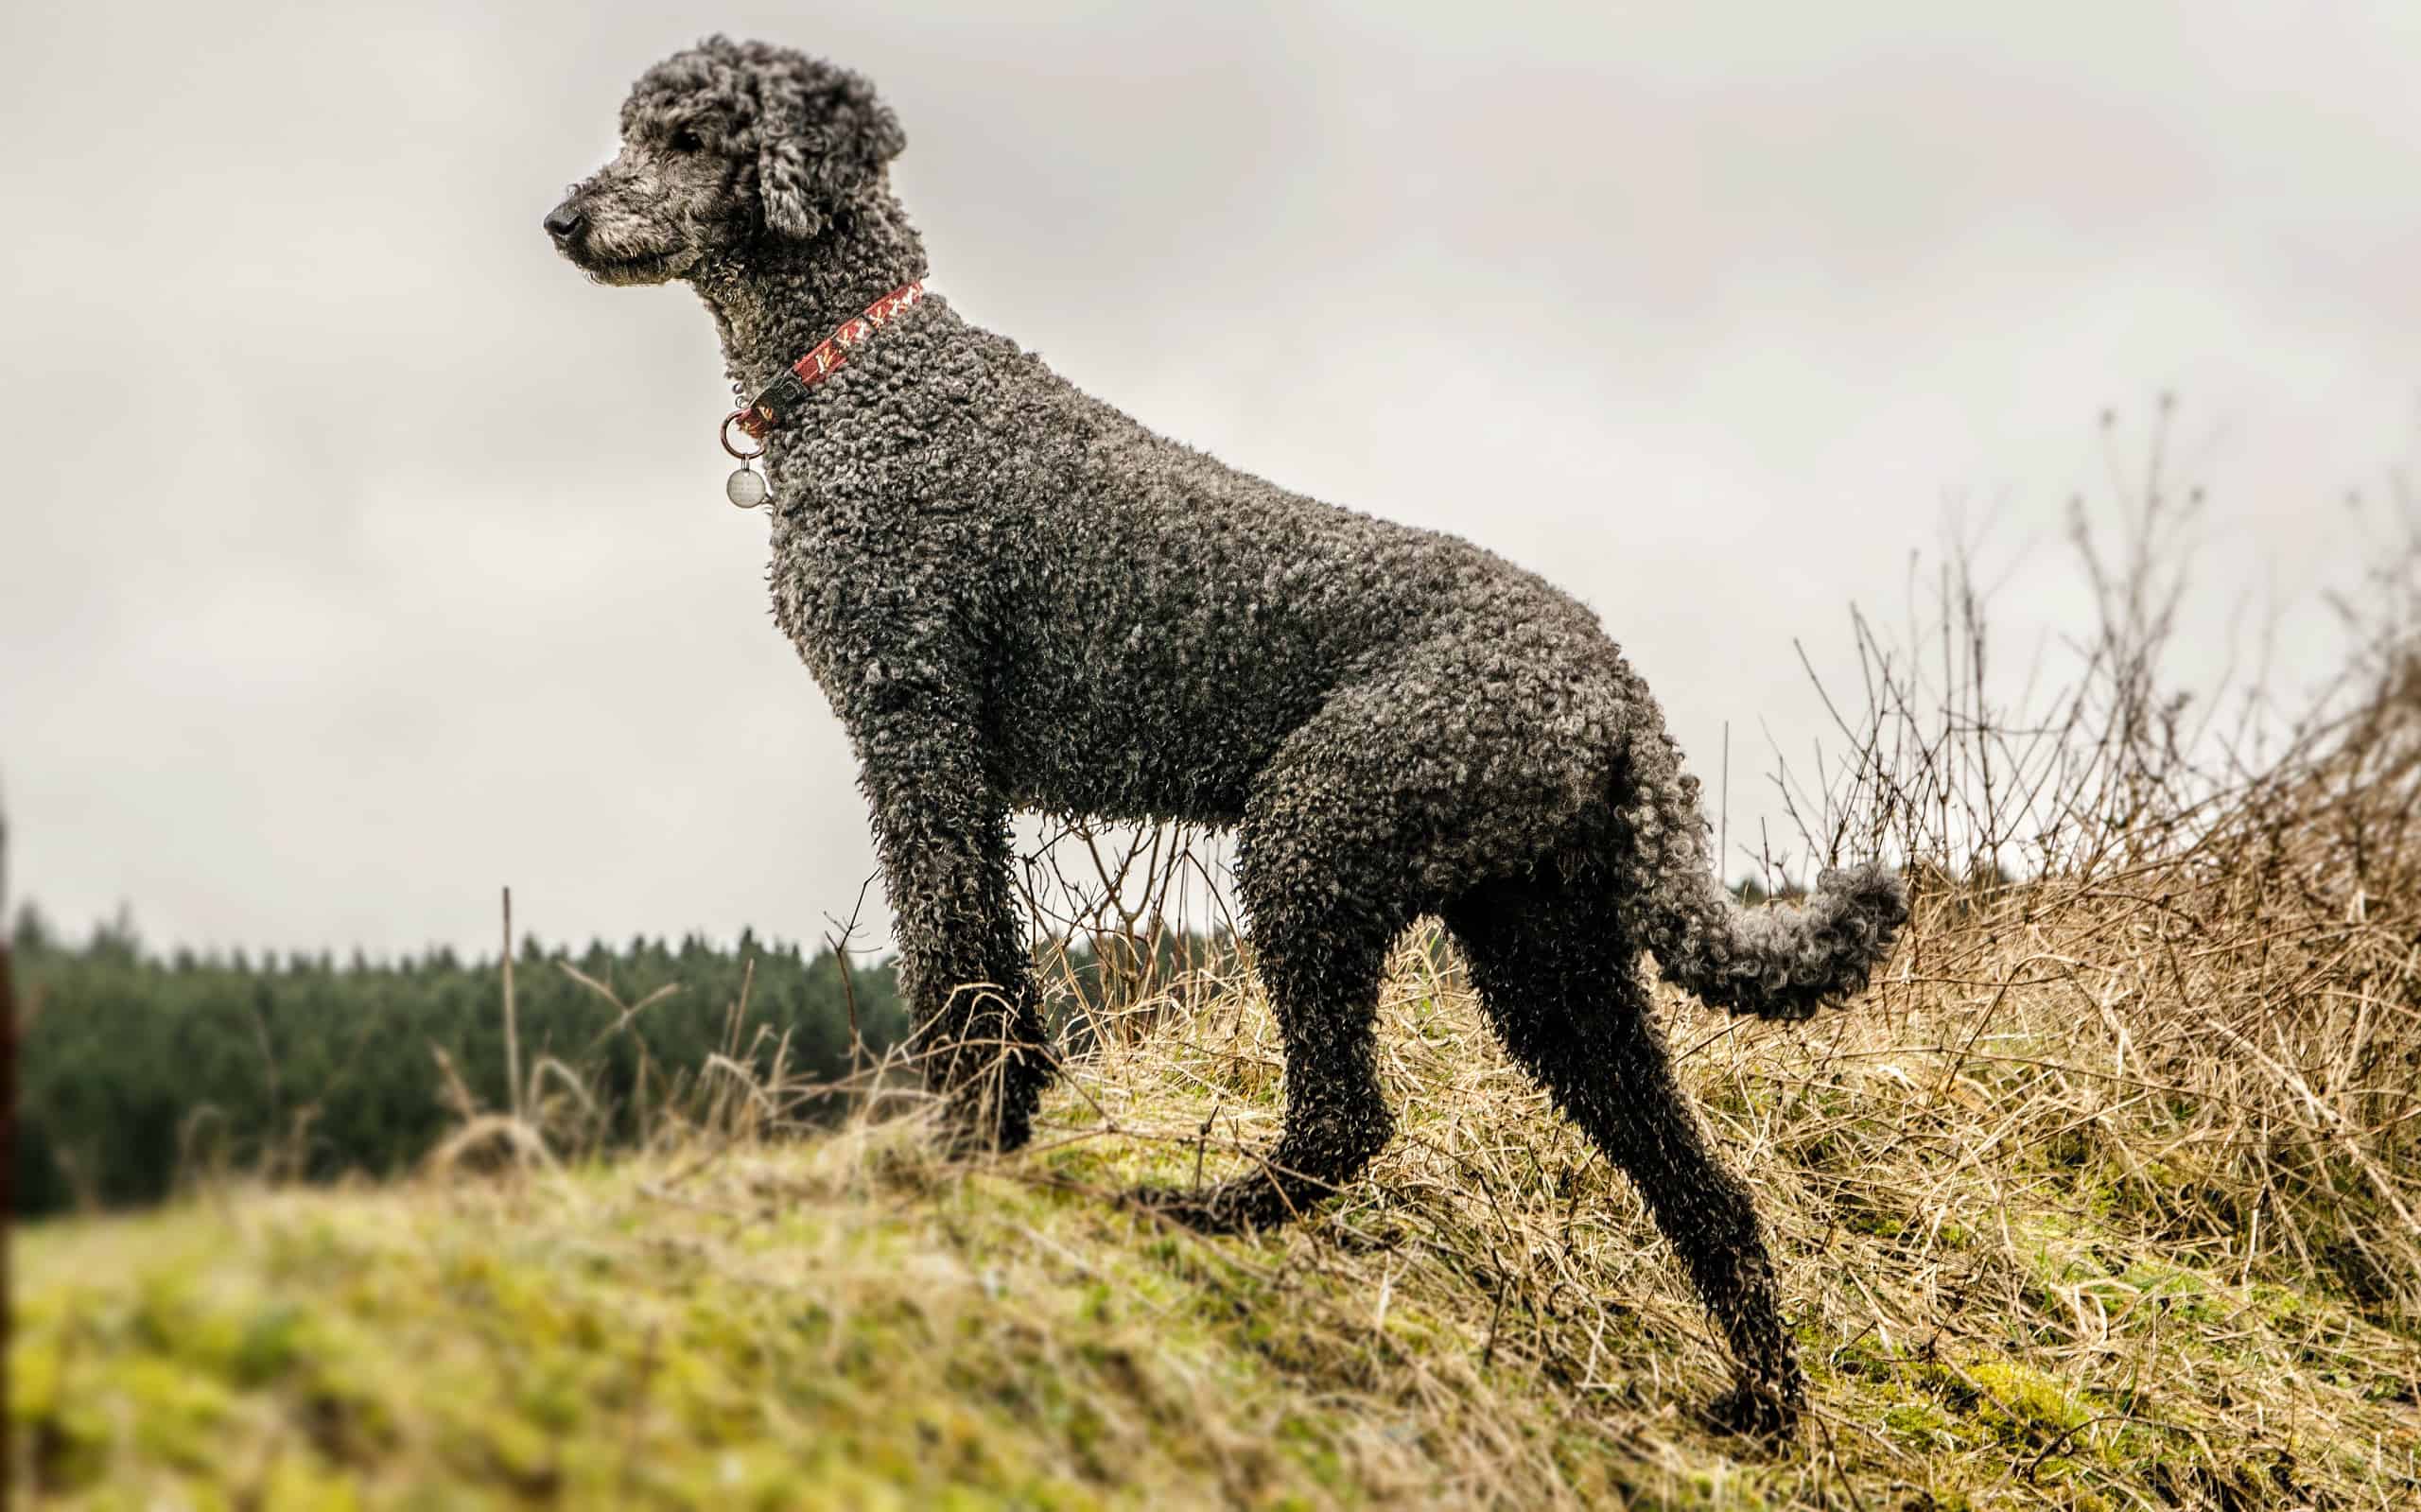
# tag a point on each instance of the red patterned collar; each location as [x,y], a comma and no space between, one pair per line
[784,393]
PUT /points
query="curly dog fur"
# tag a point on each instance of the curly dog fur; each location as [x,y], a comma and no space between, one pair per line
[1019,597]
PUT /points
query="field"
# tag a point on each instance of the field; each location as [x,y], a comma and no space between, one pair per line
[2040,1247]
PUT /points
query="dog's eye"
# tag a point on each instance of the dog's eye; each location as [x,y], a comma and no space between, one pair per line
[686,139]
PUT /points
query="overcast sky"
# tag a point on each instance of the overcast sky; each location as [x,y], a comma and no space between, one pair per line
[358,556]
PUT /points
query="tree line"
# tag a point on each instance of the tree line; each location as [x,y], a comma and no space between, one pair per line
[136,1069]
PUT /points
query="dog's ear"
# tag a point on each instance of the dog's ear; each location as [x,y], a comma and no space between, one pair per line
[824,136]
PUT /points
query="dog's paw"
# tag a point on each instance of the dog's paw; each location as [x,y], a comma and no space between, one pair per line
[1756,1410]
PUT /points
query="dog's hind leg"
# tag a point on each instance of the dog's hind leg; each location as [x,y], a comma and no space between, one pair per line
[1404,790]
[1320,958]
[1560,983]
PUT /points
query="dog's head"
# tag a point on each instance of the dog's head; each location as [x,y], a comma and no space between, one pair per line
[724,145]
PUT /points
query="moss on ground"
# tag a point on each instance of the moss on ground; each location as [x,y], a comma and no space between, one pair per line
[595,1346]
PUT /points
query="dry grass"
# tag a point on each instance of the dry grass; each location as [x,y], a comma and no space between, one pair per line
[2056,1226]
[2012,1238]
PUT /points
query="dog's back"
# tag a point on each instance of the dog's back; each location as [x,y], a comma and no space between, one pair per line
[1154,622]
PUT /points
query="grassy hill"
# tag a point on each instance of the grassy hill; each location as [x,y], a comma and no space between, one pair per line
[2047,1242]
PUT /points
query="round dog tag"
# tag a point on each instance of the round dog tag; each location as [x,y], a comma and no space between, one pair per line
[746,487]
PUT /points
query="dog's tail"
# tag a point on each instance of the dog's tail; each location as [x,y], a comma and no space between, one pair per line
[1784,961]
[1777,962]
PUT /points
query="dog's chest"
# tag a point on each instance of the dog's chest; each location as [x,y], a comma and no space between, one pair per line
[824,597]
[876,600]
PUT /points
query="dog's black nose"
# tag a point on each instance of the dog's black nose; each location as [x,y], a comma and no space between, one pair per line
[563,221]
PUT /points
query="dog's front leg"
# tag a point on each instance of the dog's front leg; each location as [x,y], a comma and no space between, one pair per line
[941,829]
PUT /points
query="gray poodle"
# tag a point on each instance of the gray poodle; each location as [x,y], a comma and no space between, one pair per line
[1019,597]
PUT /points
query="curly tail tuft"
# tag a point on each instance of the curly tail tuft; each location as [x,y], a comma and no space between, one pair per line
[1787,961]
